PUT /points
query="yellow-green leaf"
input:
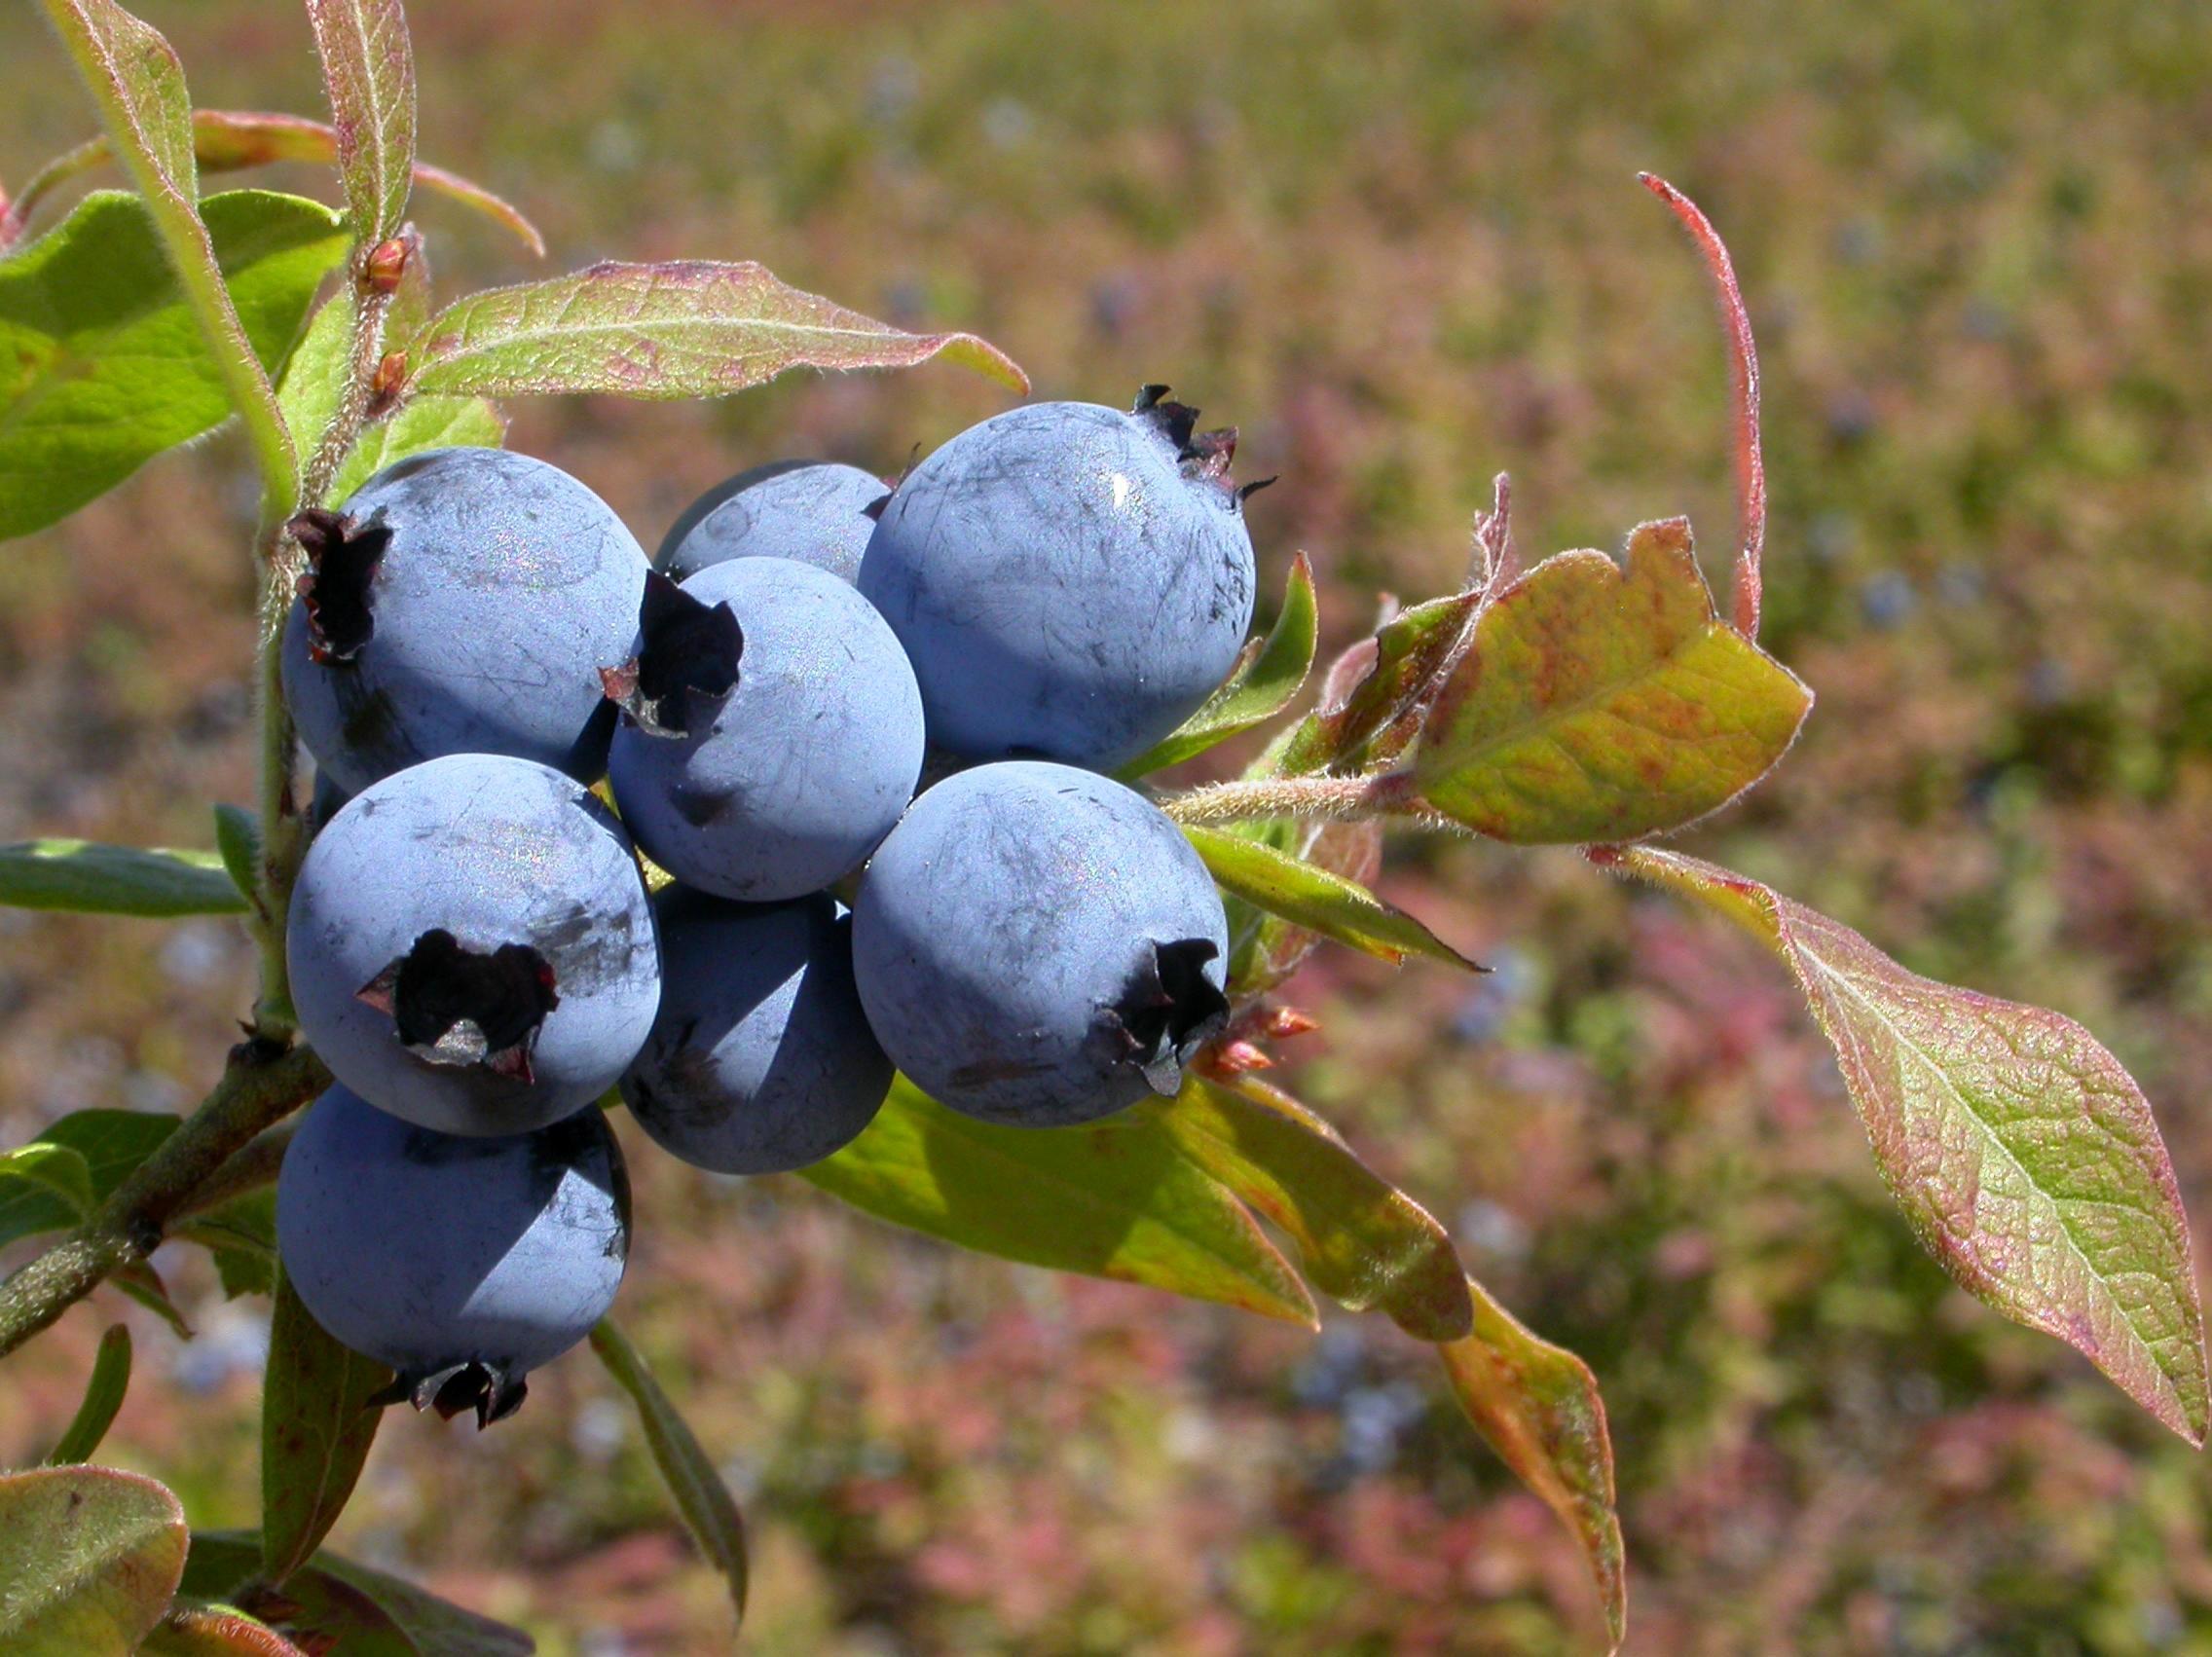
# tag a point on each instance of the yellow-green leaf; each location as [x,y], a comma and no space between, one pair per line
[1116,1199]
[89,1560]
[1597,703]
[2024,1157]
[1317,898]
[1364,1243]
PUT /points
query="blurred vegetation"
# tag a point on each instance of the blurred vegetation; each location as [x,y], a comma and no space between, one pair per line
[1401,246]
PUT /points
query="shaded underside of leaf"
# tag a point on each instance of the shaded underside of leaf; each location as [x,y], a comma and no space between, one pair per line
[89,1560]
[1363,1242]
[1537,1406]
[708,1511]
[1597,703]
[1116,1199]
[333,1605]
[1407,651]
[2024,1157]
[688,328]
[317,1427]
[105,1391]
[90,878]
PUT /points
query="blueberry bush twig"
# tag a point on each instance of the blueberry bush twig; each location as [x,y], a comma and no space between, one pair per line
[1093,1097]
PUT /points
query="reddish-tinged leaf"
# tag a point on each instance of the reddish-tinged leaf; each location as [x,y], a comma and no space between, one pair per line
[1116,1199]
[1537,1406]
[228,141]
[139,82]
[1409,650]
[214,1631]
[701,1497]
[684,329]
[1364,1243]
[89,1560]
[2022,1154]
[317,1426]
[369,72]
[1601,704]
[1317,898]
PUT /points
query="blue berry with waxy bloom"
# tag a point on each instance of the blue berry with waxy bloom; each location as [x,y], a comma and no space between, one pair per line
[1070,581]
[463,603]
[762,1060]
[772,731]
[1038,946]
[471,947]
[463,1263]
[817,512]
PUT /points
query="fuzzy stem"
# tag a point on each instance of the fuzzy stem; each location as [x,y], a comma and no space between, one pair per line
[1259,798]
[259,1086]
[370,309]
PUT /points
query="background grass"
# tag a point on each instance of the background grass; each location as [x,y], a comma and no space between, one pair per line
[1400,246]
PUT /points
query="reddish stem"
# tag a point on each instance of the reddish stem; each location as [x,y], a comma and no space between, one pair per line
[1744,376]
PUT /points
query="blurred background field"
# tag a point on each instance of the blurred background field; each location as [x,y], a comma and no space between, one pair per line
[1401,246]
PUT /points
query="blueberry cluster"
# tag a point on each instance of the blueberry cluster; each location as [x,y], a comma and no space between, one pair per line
[474,948]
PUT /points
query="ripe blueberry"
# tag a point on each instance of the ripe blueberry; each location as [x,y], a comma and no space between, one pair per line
[463,604]
[1038,946]
[762,1060]
[471,946]
[815,511]
[1069,580]
[773,732]
[463,1263]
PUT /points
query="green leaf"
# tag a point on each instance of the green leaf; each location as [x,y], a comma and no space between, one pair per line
[684,329]
[102,364]
[333,1605]
[314,373]
[317,1426]
[1537,1406]
[93,879]
[1264,948]
[1600,705]
[701,1496]
[241,1235]
[56,1168]
[1267,678]
[112,1143]
[1116,1199]
[1364,1243]
[369,72]
[1317,898]
[237,842]
[198,1629]
[104,1389]
[1408,651]
[2024,1157]
[422,422]
[138,84]
[88,1558]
